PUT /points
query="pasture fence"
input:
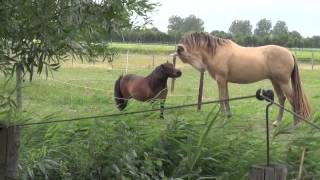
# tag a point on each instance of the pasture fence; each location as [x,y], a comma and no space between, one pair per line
[109,93]
[310,56]
[130,60]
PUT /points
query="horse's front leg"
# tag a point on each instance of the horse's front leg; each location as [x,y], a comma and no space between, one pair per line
[223,95]
[229,114]
[162,101]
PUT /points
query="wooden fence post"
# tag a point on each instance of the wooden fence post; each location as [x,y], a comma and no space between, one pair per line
[200,90]
[127,64]
[9,151]
[153,62]
[271,172]
[312,60]
[173,79]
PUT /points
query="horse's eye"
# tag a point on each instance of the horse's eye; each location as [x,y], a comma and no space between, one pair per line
[180,49]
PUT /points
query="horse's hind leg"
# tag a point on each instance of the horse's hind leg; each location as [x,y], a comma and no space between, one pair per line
[287,89]
[281,99]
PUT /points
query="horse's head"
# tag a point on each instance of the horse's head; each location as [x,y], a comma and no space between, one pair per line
[196,48]
[168,70]
[194,58]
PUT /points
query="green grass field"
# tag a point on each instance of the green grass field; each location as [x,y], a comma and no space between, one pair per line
[143,146]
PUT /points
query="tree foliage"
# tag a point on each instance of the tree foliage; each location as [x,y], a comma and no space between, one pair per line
[264,34]
[280,28]
[179,26]
[41,33]
[241,27]
[263,27]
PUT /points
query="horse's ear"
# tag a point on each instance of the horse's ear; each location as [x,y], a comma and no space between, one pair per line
[180,48]
[167,61]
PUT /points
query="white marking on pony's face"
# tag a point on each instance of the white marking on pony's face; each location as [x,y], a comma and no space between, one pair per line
[193,58]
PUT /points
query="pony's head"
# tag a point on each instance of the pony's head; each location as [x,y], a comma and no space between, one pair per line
[168,70]
[196,48]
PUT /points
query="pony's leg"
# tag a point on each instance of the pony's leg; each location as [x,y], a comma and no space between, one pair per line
[281,99]
[286,88]
[223,94]
[162,101]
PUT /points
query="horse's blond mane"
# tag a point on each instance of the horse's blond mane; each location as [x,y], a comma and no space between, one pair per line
[202,40]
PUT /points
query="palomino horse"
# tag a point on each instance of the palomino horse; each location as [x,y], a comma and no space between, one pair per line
[152,87]
[227,61]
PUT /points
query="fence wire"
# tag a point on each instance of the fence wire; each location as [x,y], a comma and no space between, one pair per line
[133,112]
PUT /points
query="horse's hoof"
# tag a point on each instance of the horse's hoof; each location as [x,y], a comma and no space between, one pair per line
[275,124]
[229,115]
[161,117]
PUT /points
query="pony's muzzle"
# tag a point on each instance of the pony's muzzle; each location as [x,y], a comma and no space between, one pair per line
[175,74]
[179,73]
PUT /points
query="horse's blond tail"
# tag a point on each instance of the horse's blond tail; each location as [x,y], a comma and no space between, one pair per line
[300,102]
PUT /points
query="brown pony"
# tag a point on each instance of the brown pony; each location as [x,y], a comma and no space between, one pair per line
[152,87]
[227,61]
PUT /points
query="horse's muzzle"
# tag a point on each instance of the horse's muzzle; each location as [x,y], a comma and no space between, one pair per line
[178,73]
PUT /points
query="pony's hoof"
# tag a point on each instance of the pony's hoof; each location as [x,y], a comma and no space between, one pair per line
[227,115]
[161,117]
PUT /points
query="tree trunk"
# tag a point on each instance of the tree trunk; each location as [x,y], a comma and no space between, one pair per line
[19,88]
[9,152]
[31,73]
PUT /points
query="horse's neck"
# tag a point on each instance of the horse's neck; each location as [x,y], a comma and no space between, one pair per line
[157,83]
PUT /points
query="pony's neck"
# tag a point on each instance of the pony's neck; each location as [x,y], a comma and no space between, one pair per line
[157,82]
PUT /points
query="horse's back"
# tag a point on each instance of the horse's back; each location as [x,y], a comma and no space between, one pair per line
[136,87]
[280,61]
[251,64]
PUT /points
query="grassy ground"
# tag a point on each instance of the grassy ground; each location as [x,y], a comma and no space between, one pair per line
[69,150]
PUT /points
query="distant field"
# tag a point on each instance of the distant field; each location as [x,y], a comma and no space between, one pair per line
[144,48]
[301,54]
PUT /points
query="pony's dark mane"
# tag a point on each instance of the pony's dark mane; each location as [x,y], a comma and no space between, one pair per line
[157,79]
[202,40]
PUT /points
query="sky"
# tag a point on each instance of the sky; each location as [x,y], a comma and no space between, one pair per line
[300,15]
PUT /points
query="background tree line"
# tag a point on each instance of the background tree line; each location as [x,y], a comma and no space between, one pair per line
[240,31]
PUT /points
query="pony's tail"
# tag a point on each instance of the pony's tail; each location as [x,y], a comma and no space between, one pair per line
[118,97]
[301,105]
